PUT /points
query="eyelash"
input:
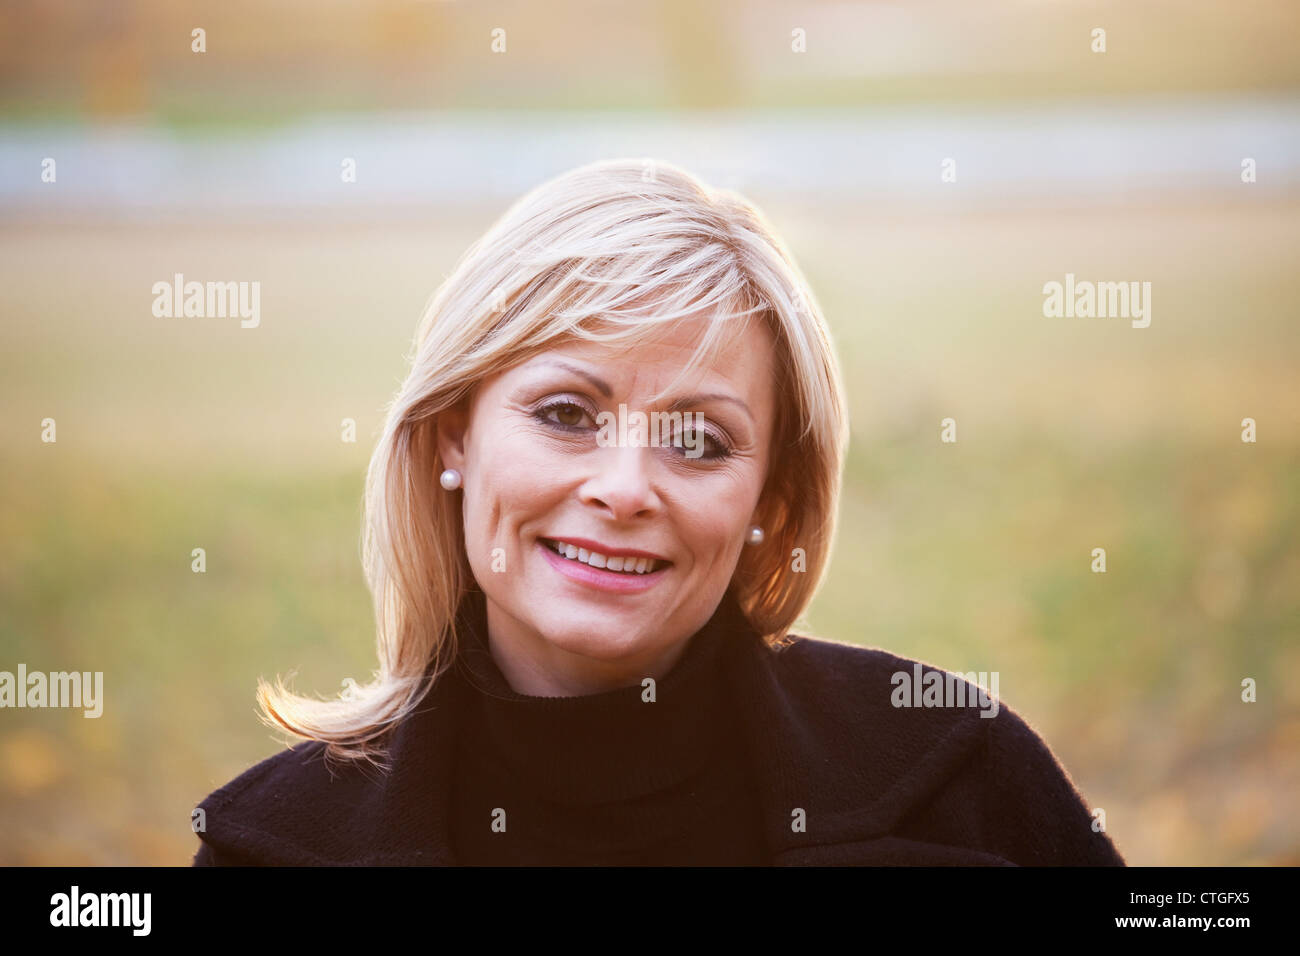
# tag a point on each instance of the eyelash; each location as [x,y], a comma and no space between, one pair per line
[724,449]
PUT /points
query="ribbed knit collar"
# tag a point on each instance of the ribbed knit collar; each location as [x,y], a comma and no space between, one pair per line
[597,748]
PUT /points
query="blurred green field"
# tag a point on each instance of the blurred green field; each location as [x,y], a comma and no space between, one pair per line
[271,63]
[1072,434]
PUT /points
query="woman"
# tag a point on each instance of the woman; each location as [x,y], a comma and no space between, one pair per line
[583,602]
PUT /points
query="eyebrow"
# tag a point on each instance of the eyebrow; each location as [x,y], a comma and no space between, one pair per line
[604,388]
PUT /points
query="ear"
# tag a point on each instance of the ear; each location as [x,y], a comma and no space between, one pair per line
[452,425]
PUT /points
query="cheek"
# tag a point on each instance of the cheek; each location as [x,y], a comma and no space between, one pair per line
[514,476]
[707,523]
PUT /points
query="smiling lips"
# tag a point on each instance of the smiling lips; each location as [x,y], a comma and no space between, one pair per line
[641,571]
[625,561]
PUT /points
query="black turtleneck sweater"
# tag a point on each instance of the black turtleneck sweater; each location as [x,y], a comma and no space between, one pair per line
[606,779]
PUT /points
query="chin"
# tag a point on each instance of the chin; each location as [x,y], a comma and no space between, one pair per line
[594,635]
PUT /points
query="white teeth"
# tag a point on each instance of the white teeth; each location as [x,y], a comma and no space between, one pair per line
[627,565]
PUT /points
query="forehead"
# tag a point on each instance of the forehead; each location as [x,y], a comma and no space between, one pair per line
[743,361]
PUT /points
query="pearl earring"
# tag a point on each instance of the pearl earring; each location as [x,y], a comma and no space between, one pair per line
[755,536]
[450,479]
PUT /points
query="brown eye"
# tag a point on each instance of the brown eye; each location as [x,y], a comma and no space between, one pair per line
[715,449]
[565,416]
[569,414]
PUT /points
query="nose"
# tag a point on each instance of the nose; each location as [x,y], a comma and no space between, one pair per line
[622,485]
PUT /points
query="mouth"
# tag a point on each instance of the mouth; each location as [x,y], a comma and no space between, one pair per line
[579,569]
[624,564]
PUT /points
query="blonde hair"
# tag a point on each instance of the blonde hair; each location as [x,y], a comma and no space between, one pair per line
[607,252]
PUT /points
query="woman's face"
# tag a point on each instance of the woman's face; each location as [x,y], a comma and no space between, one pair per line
[537,472]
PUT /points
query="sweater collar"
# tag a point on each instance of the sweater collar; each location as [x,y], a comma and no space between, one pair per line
[615,745]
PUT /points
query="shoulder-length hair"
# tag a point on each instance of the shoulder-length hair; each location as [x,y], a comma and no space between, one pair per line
[607,252]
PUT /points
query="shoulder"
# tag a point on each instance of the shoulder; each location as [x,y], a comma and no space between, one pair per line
[284,810]
[930,755]
[829,662]
[845,681]
[874,703]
